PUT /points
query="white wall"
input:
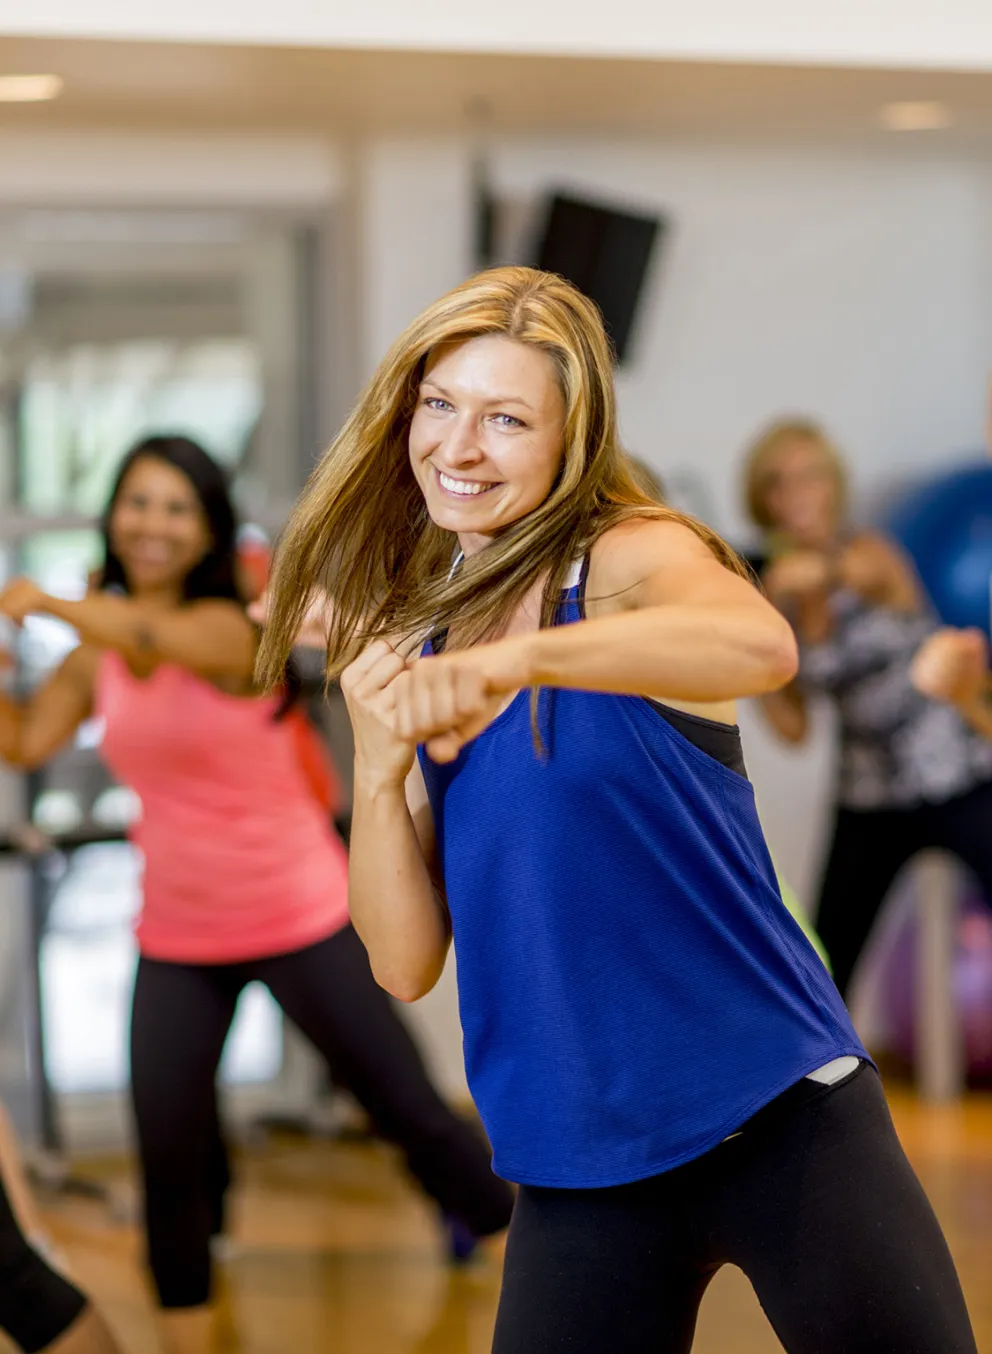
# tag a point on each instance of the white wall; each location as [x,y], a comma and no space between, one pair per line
[852,286]
[928,33]
[415,237]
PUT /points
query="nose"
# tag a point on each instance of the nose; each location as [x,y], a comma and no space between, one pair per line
[460,446]
[152,521]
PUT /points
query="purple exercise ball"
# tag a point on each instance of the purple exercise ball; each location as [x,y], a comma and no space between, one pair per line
[972,982]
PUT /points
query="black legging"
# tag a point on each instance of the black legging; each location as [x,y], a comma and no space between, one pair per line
[37,1305]
[181,1017]
[814,1201]
[868,850]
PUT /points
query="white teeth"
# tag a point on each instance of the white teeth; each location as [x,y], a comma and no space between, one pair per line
[468,488]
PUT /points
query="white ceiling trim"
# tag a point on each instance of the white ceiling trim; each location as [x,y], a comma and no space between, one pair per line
[923,34]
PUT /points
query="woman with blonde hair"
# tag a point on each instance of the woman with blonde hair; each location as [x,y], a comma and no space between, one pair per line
[556,784]
[911,773]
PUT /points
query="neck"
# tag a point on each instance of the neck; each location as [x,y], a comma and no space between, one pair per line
[470,543]
[161,597]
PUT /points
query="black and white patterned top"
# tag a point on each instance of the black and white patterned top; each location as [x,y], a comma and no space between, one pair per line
[897,747]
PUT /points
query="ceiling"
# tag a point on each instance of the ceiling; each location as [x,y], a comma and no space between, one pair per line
[175,86]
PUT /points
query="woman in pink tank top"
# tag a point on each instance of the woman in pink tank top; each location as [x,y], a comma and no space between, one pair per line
[244,877]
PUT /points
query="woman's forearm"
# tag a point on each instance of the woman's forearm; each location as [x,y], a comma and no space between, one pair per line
[11,726]
[394,905]
[106,622]
[670,652]
[222,642]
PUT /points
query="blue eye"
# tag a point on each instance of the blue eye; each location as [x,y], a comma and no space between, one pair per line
[508,421]
[435,402]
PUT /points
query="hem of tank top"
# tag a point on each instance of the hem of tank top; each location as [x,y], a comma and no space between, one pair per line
[658,720]
[690,1154]
[304,942]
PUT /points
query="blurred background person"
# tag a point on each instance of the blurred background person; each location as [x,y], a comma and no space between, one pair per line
[244,877]
[911,772]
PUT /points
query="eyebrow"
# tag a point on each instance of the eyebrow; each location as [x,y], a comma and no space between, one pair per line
[497,399]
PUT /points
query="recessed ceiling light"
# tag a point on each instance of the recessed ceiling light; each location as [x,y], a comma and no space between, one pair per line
[916,116]
[29,88]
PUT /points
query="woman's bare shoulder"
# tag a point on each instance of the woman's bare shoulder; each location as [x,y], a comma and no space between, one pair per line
[635,550]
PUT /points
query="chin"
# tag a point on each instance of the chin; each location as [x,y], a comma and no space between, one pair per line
[152,578]
[450,518]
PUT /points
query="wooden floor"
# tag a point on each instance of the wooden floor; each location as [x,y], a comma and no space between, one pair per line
[335,1254]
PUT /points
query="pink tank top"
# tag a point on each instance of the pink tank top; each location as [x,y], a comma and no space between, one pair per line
[240,860]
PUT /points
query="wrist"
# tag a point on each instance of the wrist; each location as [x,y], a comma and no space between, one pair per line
[377,787]
[51,606]
[526,660]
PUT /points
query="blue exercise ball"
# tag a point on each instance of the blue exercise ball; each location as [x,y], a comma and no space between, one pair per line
[946,526]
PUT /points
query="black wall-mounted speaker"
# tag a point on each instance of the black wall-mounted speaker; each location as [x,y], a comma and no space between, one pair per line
[605,252]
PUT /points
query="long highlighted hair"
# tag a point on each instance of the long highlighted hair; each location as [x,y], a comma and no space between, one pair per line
[361,530]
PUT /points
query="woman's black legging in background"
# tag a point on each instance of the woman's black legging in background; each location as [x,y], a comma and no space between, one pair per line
[868,850]
[814,1201]
[37,1305]
[181,1017]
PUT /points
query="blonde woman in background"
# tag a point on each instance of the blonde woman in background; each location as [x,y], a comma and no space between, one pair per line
[912,774]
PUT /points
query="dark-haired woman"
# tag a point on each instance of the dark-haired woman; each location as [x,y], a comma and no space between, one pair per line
[244,879]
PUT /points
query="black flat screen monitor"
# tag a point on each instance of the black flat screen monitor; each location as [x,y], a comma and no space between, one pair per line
[605,253]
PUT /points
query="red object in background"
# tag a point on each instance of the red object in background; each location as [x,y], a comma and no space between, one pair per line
[315,762]
[254,561]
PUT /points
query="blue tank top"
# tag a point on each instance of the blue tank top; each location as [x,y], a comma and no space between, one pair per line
[632,987]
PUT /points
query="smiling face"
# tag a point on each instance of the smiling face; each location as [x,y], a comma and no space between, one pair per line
[486,438]
[158,528]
